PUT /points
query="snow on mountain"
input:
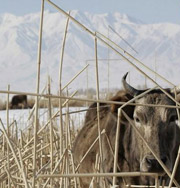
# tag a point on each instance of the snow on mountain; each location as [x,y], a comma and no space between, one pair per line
[155,43]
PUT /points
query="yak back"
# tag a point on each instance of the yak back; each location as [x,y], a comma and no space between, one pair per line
[89,133]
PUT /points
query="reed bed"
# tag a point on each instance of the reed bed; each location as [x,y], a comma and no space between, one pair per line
[41,154]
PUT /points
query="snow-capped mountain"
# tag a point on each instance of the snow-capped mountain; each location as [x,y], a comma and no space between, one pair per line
[157,46]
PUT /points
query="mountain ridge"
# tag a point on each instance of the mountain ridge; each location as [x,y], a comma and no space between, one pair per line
[157,46]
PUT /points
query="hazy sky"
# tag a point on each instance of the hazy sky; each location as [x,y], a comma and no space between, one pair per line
[148,11]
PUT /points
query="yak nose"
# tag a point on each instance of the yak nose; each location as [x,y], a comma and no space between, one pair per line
[153,164]
[164,159]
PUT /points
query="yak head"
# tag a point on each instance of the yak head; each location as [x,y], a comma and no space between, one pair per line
[157,124]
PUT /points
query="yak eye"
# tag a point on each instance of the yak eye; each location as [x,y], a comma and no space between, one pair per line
[137,119]
[173,118]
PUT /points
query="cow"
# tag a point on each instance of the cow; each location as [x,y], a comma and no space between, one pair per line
[19,102]
[158,125]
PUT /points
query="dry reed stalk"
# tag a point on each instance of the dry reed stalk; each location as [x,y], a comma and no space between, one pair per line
[16,131]
[98,107]
[41,153]
[62,180]
[3,145]
[163,183]
[90,100]
[21,140]
[120,174]
[95,180]
[87,83]
[51,129]
[67,100]
[60,86]
[122,38]
[156,182]
[117,146]
[73,169]
[108,65]
[148,186]
[8,133]
[92,183]
[75,77]
[70,149]
[66,143]
[32,110]
[37,91]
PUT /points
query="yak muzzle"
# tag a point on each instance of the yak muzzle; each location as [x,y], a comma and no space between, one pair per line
[150,164]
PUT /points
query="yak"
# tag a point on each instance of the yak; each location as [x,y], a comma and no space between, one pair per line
[19,102]
[157,124]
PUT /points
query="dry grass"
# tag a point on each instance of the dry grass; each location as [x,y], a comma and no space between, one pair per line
[24,143]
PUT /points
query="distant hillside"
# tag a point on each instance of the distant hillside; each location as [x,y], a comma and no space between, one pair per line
[19,41]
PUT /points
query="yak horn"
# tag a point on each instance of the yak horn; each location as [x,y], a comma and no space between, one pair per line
[132,91]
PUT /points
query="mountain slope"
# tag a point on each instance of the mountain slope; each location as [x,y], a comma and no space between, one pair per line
[155,43]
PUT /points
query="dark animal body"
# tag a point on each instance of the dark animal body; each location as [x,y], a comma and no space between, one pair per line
[19,102]
[156,124]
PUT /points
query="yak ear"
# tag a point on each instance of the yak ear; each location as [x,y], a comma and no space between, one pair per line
[178,97]
[177,89]
[122,96]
